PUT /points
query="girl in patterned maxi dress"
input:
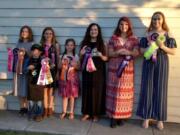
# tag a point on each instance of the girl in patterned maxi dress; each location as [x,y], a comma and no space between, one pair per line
[122,48]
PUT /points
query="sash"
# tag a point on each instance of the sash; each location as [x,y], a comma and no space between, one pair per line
[88,61]
[47,50]
[122,65]
[86,56]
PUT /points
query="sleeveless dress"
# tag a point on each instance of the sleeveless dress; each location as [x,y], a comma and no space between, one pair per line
[69,81]
[51,53]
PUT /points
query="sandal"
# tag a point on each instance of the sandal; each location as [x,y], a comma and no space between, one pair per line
[85,117]
[71,116]
[95,119]
[62,115]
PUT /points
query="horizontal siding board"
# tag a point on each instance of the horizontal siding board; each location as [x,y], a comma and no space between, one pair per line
[51,4]
[173,101]
[76,31]
[79,22]
[65,22]
[147,12]
[173,118]
[13,39]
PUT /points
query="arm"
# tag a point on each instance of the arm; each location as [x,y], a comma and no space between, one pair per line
[59,64]
[57,54]
[116,53]
[76,64]
[57,58]
[167,49]
[112,53]
[104,57]
[135,52]
[82,51]
[123,51]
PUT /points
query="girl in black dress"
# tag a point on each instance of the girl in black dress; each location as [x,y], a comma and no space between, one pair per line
[51,51]
[93,78]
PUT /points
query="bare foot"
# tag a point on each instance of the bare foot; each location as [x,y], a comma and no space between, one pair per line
[85,117]
[95,119]
[145,124]
[160,125]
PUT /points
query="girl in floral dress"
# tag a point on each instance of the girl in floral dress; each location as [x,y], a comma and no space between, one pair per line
[69,78]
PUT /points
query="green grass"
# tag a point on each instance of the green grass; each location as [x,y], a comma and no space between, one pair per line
[21,133]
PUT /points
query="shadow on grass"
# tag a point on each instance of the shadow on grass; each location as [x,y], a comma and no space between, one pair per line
[4,132]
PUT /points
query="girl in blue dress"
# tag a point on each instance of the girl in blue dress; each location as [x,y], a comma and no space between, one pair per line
[153,96]
[20,79]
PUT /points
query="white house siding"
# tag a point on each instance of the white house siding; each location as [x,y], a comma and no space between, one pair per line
[69,18]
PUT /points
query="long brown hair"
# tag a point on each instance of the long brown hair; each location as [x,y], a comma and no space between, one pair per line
[164,24]
[30,37]
[117,31]
[87,38]
[66,42]
[43,40]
